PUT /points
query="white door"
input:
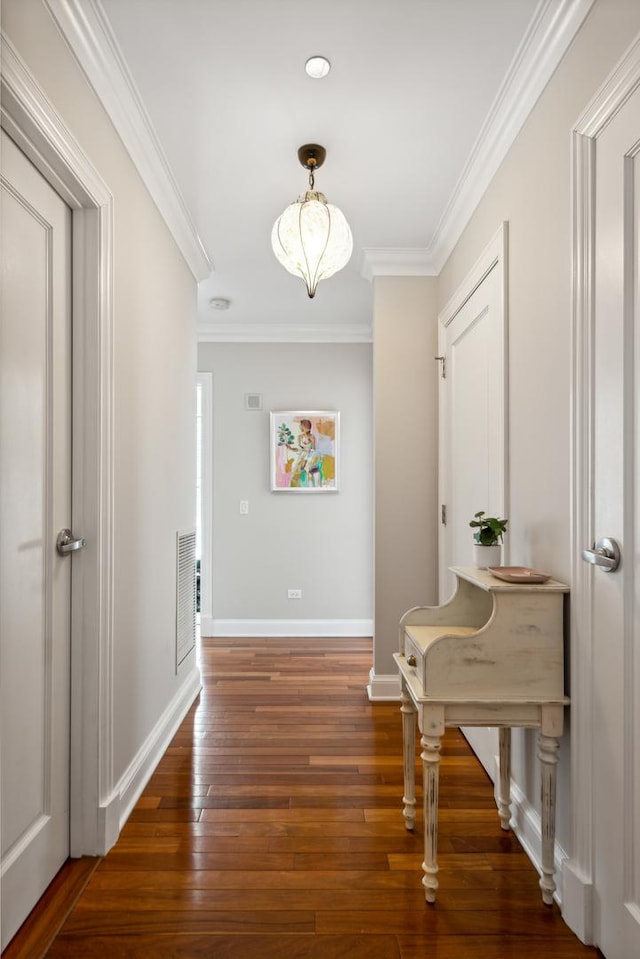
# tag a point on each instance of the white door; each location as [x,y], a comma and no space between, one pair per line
[472,408]
[35,502]
[473,424]
[616,506]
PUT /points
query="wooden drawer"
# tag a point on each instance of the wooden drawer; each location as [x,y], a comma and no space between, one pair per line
[420,639]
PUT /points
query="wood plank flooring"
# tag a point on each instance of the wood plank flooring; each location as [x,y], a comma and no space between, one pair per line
[272,829]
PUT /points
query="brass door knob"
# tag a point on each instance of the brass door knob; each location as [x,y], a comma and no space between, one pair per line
[411,661]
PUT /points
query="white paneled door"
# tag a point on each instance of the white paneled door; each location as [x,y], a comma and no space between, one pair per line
[472,407]
[35,503]
[473,424]
[616,515]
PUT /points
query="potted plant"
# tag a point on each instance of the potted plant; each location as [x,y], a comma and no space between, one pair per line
[487,546]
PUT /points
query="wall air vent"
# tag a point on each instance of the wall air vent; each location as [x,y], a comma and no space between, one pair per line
[185,595]
[253,401]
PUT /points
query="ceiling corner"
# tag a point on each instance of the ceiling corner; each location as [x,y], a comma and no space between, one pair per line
[85,28]
[389,261]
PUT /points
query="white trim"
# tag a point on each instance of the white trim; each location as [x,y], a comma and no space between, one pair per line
[619,86]
[206,492]
[494,256]
[621,83]
[37,128]
[577,900]
[581,640]
[46,140]
[87,31]
[116,809]
[386,261]
[284,333]
[552,28]
[383,688]
[300,628]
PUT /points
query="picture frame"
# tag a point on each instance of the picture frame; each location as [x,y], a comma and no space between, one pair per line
[305,451]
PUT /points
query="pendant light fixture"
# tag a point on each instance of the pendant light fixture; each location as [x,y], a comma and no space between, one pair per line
[312,238]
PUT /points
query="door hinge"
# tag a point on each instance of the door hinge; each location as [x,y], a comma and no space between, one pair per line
[443,515]
[443,368]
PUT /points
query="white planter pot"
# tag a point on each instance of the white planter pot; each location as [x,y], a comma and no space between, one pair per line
[484,556]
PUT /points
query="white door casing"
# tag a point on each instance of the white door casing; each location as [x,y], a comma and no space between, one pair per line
[35,502]
[473,424]
[36,127]
[602,878]
[205,383]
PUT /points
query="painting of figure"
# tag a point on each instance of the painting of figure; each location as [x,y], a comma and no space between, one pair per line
[304,450]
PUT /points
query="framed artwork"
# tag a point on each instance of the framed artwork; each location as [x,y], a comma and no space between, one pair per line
[305,451]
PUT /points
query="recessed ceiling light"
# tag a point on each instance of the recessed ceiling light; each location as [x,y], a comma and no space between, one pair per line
[317,67]
[219,303]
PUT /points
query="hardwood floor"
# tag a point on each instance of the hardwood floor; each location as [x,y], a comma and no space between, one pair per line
[272,829]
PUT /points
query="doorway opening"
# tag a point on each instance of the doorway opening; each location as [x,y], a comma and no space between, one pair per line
[204,500]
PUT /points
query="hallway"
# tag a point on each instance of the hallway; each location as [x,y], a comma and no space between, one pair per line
[273,828]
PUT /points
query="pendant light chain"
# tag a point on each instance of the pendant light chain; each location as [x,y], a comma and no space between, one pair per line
[312,179]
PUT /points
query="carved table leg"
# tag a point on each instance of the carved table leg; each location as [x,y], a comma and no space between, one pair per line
[504,794]
[548,756]
[409,713]
[430,770]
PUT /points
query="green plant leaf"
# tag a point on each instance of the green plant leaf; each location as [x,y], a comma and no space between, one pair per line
[490,529]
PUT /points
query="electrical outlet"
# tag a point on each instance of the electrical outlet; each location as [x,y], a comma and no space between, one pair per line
[244,507]
[294,594]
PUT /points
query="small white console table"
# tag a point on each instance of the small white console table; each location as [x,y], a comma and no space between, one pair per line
[493,655]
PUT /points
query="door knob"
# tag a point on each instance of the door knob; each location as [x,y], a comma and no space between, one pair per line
[605,554]
[66,543]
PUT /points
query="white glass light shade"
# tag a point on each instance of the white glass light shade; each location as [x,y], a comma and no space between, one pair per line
[312,239]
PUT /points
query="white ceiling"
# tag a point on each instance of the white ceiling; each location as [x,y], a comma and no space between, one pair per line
[423,98]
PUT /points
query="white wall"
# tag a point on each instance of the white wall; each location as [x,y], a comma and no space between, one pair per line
[532,191]
[320,543]
[154,408]
[406,461]
[154,361]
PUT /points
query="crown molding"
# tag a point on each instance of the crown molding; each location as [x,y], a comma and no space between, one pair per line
[283,333]
[396,261]
[85,28]
[552,28]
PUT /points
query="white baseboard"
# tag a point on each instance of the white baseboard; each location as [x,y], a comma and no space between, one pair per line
[287,627]
[577,901]
[526,824]
[114,812]
[108,823]
[383,687]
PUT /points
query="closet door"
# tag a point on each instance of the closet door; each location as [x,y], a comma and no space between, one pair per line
[35,503]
